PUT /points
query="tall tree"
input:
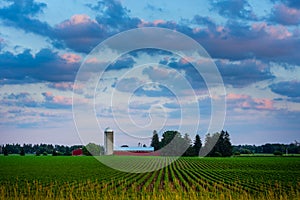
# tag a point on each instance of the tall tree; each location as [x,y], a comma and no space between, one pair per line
[155,141]
[22,151]
[172,143]
[227,146]
[187,144]
[5,151]
[197,145]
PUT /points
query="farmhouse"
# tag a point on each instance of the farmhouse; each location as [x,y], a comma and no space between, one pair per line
[125,150]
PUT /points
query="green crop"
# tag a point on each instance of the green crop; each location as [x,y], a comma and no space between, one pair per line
[85,177]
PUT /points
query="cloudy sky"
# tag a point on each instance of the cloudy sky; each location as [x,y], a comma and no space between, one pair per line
[254,45]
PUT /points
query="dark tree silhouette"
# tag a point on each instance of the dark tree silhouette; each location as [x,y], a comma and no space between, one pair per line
[5,151]
[22,152]
[155,141]
[197,145]
[227,146]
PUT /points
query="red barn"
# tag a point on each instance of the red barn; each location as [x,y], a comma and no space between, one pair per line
[77,152]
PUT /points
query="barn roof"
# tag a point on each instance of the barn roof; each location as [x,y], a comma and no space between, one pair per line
[134,149]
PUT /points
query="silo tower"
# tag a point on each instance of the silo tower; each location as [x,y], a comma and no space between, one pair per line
[109,141]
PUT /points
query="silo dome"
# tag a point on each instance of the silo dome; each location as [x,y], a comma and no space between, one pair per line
[108,130]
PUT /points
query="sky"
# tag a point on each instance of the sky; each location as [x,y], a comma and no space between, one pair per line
[252,45]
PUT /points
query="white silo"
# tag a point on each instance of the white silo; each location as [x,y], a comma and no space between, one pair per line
[109,141]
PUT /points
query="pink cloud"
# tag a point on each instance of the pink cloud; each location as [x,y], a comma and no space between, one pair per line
[62,100]
[76,20]
[247,102]
[276,32]
[158,21]
[71,57]
[92,61]
[264,103]
[286,15]
[65,86]
[232,96]
[57,100]
[48,94]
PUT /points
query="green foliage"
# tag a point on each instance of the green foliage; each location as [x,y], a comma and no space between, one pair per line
[45,153]
[219,143]
[37,153]
[22,152]
[172,144]
[277,153]
[5,152]
[55,153]
[93,149]
[197,145]
[155,141]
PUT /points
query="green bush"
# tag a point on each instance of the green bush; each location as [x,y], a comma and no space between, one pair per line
[277,153]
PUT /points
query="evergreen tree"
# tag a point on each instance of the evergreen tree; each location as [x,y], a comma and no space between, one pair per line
[5,151]
[187,144]
[227,145]
[172,144]
[155,141]
[22,152]
[197,145]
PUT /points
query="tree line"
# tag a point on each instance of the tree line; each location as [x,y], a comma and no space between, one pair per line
[54,150]
[38,149]
[216,145]
[275,148]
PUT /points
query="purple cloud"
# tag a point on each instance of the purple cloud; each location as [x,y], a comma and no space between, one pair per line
[45,65]
[79,33]
[20,14]
[234,9]
[285,15]
[287,88]
[56,101]
[22,99]
[289,3]
[244,73]
[122,63]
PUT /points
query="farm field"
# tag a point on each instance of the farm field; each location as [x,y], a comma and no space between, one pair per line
[48,177]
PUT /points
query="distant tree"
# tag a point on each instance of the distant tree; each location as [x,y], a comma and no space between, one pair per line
[188,143]
[45,153]
[5,151]
[54,153]
[227,146]
[187,139]
[219,144]
[197,145]
[68,151]
[173,144]
[155,141]
[93,149]
[85,151]
[212,144]
[277,153]
[37,153]
[22,152]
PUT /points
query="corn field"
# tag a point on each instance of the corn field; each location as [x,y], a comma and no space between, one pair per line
[187,178]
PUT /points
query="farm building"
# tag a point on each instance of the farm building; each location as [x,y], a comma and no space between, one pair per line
[125,150]
[77,152]
[135,151]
